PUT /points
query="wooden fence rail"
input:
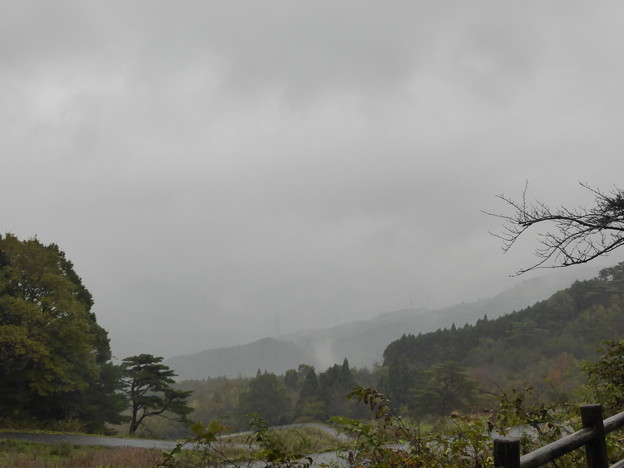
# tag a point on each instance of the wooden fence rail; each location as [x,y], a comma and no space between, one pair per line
[592,437]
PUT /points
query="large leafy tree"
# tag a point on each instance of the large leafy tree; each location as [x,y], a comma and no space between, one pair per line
[54,357]
[148,385]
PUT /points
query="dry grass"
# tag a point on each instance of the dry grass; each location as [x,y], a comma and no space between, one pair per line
[18,454]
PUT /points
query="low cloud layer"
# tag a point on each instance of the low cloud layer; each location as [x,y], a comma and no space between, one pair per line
[219,172]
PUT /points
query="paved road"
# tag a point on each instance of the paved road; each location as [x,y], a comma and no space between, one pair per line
[319,458]
[141,443]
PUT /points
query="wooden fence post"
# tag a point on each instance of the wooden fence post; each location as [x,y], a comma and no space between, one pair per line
[507,452]
[596,450]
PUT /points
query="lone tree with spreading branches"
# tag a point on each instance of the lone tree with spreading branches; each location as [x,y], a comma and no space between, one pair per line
[573,236]
[148,387]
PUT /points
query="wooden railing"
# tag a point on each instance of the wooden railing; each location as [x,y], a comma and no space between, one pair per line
[592,437]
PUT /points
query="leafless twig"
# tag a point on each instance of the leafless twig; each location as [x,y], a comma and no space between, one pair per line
[572,236]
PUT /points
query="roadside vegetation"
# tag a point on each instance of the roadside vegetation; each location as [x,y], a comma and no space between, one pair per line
[23,454]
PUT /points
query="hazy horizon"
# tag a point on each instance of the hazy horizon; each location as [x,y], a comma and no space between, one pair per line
[221,171]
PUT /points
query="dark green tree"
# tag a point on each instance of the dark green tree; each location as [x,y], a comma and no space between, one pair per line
[109,388]
[310,406]
[400,380]
[291,379]
[447,388]
[266,397]
[606,376]
[53,354]
[148,385]
[334,385]
[310,386]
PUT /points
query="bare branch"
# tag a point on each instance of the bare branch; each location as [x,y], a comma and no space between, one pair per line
[572,236]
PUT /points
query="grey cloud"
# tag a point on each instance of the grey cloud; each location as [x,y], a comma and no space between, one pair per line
[229,162]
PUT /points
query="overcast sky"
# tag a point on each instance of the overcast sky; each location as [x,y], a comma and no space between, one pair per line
[221,171]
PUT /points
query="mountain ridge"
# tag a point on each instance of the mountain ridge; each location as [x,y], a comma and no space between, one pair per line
[362,342]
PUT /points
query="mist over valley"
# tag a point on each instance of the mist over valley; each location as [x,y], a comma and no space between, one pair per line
[362,342]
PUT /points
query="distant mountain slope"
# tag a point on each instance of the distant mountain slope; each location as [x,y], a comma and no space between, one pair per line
[267,354]
[362,342]
[573,321]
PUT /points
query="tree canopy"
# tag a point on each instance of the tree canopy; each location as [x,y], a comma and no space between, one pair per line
[606,376]
[54,357]
[266,397]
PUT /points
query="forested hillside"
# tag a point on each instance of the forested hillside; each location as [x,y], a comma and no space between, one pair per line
[268,354]
[541,345]
[302,394]
[361,342]
[432,374]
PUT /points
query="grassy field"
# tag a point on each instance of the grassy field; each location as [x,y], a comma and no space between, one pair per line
[23,454]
